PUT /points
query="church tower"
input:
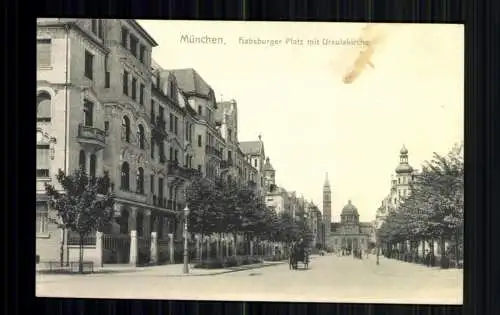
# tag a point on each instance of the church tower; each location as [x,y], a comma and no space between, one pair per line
[327,208]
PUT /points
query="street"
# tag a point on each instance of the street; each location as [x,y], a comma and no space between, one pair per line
[328,279]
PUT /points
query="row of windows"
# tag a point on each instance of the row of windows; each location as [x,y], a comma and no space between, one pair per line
[140,177]
[131,43]
[133,91]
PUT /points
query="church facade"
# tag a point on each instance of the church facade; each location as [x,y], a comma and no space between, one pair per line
[348,234]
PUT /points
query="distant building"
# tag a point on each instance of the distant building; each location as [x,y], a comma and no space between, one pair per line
[276,197]
[327,212]
[349,233]
[235,166]
[255,154]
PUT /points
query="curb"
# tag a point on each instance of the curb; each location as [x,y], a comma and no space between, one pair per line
[237,269]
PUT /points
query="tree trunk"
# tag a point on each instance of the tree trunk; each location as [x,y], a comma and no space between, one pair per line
[235,244]
[80,260]
[202,244]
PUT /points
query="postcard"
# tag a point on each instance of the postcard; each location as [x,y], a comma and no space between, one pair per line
[254,161]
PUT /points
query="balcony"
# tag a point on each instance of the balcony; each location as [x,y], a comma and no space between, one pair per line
[92,137]
[210,150]
[174,170]
[224,164]
[129,195]
[159,127]
[174,206]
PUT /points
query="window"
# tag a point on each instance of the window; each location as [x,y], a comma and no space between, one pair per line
[171,123]
[160,188]
[199,168]
[43,108]
[125,82]
[106,73]
[141,137]
[199,140]
[43,52]
[42,160]
[142,53]
[125,176]
[176,156]
[41,218]
[176,121]
[186,130]
[93,165]
[88,113]
[133,45]
[152,183]
[82,163]
[171,154]
[152,148]
[229,155]
[125,34]
[141,94]
[255,163]
[134,88]
[161,113]
[152,113]
[94,26]
[126,129]
[229,131]
[199,110]
[106,126]
[89,65]
[140,180]
[100,29]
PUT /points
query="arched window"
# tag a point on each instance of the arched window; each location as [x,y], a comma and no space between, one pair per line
[93,163]
[125,176]
[141,137]
[140,180]
[43,107]
[82,161]
[126,129]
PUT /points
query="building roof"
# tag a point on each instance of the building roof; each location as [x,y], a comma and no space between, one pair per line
[190,82]
[251,147]
[143,32]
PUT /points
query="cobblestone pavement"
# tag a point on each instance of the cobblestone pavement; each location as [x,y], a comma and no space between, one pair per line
[328,279]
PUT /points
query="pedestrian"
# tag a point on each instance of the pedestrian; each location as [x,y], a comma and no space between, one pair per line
[427,258]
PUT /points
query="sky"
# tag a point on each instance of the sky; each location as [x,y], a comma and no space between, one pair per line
[313,123]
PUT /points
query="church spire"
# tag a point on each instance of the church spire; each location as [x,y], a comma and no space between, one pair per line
[327,182]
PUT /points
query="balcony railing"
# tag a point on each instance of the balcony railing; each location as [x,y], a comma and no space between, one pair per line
[226,163]
[213,151]
[129,195]
[174,169]
[92,133]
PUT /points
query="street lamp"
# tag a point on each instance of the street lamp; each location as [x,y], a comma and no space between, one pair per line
[186,214]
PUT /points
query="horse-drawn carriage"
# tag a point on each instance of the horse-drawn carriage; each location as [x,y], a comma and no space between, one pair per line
[298,253]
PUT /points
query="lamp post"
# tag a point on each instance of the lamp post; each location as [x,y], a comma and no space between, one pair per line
[378,253]
[186,214]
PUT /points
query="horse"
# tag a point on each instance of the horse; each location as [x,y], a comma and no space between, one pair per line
[297,253]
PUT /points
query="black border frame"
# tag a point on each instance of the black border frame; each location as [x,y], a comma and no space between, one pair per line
[481,140]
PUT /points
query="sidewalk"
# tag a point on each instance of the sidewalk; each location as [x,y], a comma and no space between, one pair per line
[172,270]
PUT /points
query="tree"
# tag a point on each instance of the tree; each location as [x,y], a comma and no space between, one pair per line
[85,205]
[203,201]
[434,209]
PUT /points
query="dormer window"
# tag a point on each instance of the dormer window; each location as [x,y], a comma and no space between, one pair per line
[171,91]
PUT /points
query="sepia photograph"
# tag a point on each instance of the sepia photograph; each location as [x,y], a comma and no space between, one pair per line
[250,161]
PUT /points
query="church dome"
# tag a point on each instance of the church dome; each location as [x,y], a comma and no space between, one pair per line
[349,209]
[404,150]
[404,168]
